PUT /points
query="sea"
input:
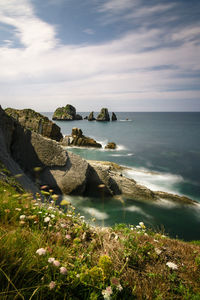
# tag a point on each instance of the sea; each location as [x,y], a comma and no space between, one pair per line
[162,152]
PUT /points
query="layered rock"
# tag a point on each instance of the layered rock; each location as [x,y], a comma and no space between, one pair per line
[111,146]
[114,117]
[91,117]
[103,115]
[36,122]
[67,113]
[78,139]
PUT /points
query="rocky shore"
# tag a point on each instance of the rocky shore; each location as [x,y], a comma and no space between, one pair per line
[38,160]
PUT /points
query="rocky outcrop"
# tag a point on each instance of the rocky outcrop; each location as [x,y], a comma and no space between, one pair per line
[103,115]
[91,117]
[114,117]
[78,139]
[35,121]
[111,146]
[41,161]
[67,113]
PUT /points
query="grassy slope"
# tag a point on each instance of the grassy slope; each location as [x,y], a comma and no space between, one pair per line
[122,262]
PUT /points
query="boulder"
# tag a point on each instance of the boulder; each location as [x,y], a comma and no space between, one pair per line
[111,145]
[67,113]
[114,117]
[78,139]
[91,117]
[103,115]
[36,122]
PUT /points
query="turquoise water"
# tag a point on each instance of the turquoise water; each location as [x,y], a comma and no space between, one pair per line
[163,151]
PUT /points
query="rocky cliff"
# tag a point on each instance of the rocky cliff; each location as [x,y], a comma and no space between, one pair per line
[37,160]
[78,139]
[36,122]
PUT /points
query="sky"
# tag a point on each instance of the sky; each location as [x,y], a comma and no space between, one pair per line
[126,55]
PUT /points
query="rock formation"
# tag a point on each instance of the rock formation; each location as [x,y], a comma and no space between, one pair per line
[111,145]
[42,161]
[114,117]
[103,115]
[91,117]
[67,113]
[36,122]
[78,139]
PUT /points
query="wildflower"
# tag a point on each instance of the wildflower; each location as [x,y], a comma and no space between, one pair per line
[63,270]
[77,275]
[107,292]
[22,217]
[22,222]
[47,219]
[119,287]
[53,216]
[52,285]
[7,211]
[172,265]
[51,260]
[142,225]
[41,251]
[18,209]
[56,263]
[158,251]
[63,225]
[138,227]
[68,236]
[82,217]
[156,241]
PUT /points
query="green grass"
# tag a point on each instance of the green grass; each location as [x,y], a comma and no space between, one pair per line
[123,262]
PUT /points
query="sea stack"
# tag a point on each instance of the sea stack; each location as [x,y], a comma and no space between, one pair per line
[91,116]
[67,113]
[103,115]
[114,117]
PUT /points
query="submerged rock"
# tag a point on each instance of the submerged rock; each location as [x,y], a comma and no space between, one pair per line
[114,117]
[36,122]
[111,145]
[103,115]
[91,117]
[78,139]
[67,113]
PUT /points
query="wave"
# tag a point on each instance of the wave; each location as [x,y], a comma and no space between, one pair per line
[154,180]
[136,209]
[122,155]
[125,120]
[95,213]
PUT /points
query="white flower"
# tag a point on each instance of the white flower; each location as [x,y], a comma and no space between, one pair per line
[56,263]
[107,292]
[77,275]
[52,285]
[41,251]
[142,225]
[156,241]
[22,217]
[47,219]
[51,260]
[63,270]
[53,216]
[172,265]
[138,227]
[18,209]
[119,287]
[158,251]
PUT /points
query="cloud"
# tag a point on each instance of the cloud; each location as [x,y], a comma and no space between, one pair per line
[89,31]
[143,64]
[32,32]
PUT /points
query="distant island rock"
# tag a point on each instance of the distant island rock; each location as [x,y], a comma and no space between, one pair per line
[103,115]
[66,113]
[78,139]
[34,121]
[114,117]
[91,117]
[111,145]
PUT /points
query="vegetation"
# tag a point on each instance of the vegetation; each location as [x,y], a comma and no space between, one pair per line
[46,253]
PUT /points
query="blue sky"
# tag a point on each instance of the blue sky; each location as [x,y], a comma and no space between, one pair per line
[127,55]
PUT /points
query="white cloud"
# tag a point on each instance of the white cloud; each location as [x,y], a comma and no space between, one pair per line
[45,74]
[89,31]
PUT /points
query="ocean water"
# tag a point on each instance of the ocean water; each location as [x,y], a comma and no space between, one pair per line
[162,151]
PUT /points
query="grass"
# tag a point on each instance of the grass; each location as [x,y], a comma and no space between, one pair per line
[48,254]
